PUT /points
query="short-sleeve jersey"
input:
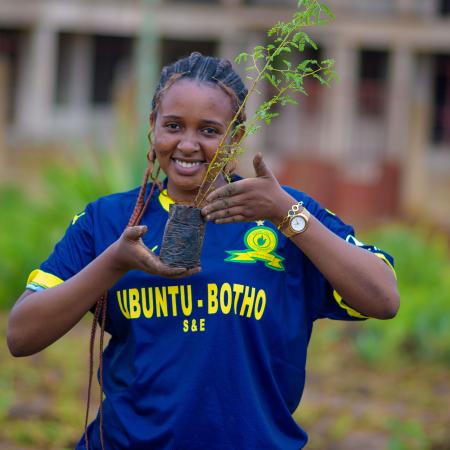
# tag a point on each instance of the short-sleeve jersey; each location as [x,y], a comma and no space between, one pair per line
[214,361]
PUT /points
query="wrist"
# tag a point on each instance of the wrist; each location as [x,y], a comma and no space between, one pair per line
[292,218]
[113,259]
[281,207]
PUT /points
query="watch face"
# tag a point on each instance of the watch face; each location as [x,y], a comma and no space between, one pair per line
[298,223]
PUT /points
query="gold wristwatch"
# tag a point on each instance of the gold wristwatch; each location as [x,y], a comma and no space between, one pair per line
[296,222]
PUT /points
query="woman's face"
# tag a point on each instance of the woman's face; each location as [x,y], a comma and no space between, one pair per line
[191,119]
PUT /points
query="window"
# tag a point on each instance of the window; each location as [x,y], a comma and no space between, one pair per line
[444,8]
[441,101]
[63,69]
[372,83]
[172,49]
[9,52]
[111,54]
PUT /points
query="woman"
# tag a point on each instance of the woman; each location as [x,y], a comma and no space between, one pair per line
[210,359]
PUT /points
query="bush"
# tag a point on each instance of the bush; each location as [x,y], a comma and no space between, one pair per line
[31,225]
[421,329]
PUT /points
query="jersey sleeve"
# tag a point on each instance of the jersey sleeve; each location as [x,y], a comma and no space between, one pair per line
[71,254]
[326,301]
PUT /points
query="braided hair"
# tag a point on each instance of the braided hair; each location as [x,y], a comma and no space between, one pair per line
[206,69]
[203,69]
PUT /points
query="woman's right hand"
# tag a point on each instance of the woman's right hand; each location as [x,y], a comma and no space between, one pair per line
[130,252]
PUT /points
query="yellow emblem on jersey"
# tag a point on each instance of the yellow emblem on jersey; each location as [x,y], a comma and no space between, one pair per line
[261,243]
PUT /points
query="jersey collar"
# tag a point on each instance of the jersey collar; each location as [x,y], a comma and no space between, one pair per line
[165,200]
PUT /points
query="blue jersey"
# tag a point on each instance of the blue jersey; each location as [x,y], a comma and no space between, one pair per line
[215,361]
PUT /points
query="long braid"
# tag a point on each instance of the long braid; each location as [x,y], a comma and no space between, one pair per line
[101,305]
[102,335]
[140,200]
[197,67]
[91,367]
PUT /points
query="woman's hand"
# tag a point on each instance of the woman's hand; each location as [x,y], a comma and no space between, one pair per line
[250,199]
[130,252]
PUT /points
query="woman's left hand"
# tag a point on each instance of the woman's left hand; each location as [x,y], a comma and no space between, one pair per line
[250,199]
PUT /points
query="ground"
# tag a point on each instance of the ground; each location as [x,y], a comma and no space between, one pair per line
[347,404]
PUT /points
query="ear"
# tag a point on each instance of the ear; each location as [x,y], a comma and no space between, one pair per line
[152,119]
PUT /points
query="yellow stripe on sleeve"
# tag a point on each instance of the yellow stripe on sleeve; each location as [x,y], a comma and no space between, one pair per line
[44,279]
[381,256]
[350,311]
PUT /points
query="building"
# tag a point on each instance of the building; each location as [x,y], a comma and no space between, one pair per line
[376,144]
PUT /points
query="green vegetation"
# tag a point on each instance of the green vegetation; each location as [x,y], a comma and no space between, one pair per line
[43,397]
[34,219]
[421,330]
[379,382]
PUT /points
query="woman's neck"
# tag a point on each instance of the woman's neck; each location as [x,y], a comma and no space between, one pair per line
[187,197]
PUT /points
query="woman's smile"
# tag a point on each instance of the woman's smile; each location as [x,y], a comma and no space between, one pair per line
[187,167]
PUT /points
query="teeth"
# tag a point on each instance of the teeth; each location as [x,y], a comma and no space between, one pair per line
[187,165]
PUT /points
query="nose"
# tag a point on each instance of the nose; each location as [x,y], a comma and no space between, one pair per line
[188,144]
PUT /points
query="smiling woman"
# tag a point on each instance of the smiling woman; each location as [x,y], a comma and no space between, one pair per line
[216,360]
[189,122]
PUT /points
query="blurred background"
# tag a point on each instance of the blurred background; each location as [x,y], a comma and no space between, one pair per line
[76,81]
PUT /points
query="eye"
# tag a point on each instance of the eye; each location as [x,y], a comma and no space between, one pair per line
[172,126]
[210,131]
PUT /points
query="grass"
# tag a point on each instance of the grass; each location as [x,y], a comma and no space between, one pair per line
[352,404]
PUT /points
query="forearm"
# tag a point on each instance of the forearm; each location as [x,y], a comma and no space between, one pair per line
[39,319]
[365,282]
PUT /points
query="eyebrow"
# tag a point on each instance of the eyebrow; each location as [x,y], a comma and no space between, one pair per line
[206,121]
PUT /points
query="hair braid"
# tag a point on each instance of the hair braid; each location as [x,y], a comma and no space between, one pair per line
[206,69]
[101,305]
[91,366]
[102,335]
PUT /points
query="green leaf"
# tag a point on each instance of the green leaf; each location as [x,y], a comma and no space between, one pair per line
[327,11]
[298,36]
[328,62]
[241,57]
[318,77]
[311,42]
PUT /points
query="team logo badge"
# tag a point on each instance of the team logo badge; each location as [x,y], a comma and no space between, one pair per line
[261,243]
